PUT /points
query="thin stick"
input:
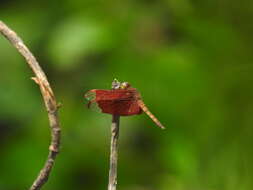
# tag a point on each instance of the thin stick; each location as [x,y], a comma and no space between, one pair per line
[49,100]
[114,153]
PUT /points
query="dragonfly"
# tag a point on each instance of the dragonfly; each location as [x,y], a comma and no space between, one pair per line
[122,100]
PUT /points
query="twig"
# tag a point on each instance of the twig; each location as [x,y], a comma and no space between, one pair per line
[49,100]
[114,153]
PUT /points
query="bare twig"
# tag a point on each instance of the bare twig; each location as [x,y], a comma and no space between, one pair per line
[114,145]
[49,100]
[114,153]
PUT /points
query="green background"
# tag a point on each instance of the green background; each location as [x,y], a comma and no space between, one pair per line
[192,63]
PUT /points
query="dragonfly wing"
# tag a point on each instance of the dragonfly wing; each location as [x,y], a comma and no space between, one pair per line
[113,94]
[120,107]
[93,105]
[146,110]
[90,95]
[134,108]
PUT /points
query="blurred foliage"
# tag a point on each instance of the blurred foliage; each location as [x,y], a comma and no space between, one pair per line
[192,62]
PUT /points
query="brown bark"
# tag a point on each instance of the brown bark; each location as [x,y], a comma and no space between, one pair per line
[114,153]
[49,101]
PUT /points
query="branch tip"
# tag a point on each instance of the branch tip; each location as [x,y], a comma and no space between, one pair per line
[35,79]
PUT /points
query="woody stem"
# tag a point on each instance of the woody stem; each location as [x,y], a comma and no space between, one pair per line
[114,153]
[49,101]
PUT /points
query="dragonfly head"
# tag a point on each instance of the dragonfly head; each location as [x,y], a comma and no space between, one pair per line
[120,85]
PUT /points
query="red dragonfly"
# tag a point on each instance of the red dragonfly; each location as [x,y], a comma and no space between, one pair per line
[122,100]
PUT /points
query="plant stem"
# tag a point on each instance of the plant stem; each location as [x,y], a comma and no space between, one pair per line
[49,101]
[114,153]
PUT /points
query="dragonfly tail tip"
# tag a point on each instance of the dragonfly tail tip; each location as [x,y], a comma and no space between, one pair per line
[162,127]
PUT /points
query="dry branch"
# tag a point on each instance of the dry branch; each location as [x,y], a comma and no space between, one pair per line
[49,100]
[114,153]
[112,185]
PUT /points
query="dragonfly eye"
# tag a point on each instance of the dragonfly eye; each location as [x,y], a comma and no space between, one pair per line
[124,85]
[116,85]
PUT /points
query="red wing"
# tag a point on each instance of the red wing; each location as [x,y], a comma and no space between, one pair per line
[119,107]
[119,102]
[98,95]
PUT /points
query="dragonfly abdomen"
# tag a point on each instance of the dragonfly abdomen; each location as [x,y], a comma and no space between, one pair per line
[146,110]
